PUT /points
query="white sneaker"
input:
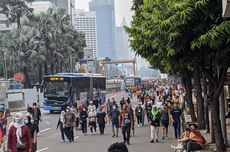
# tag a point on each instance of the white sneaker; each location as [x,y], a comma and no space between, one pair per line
[138,125]
[91,133]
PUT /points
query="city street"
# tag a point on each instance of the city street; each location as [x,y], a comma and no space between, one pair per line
[50,138]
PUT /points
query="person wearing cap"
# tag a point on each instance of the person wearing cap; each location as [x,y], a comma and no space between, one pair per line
[92,121]
[19,137]
[91,106]
[155,123]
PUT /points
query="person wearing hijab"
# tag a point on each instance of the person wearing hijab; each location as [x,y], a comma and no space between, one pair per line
[19,137]
[155,123]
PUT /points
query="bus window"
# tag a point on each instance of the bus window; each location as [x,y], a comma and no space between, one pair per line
[56,88]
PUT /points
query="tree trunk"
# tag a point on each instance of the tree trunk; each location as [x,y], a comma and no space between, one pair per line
[27,78]
[57,69]
[206,105]
[40,73]
[46,68]
[18,21]
[217,125]
[199,98]
[188,87]
[61,67]
[52,68]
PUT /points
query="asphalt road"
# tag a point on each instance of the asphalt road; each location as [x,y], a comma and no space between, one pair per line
[50,138]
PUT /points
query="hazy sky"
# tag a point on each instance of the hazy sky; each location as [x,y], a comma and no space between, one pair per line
[122,8]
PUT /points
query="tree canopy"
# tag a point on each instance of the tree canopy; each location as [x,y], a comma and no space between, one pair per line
[180,36]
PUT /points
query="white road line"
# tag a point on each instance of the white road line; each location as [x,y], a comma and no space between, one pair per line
[46,117]
[45,130]
[43,149]
[76,137]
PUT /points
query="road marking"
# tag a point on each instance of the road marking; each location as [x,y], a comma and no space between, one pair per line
[47,122]
[76,137]
[43,149]
[46,117]
[45,130]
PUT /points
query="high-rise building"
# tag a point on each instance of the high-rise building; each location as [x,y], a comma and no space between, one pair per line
[64,4]
[105,14]
[85,21]
[122,42]
[42,6]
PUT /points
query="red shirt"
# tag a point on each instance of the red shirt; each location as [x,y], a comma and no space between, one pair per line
[12,139]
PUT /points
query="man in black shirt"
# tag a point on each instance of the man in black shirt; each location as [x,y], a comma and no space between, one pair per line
[101,120]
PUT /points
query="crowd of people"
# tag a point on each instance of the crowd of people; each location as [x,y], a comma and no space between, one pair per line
[159,104]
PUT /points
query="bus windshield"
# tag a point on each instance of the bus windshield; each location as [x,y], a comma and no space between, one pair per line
[56,89]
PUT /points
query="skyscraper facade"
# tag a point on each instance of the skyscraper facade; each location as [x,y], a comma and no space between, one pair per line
[63,4]
[122,42]
[105,14]
[85,21]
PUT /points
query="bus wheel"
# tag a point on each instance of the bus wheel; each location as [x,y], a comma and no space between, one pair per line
[51,111]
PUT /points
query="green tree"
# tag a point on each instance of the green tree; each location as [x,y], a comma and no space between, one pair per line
[15,10]
[175,36]
[43,45]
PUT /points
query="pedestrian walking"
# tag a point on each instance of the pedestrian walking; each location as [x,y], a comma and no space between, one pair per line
[165,120]
[176,118]
[122,102]
[92,121]
[133,118]
[91,106]
[83,121]
[148,110]
[101,120]
[69,124]
[60,125]
[138,112]
[36,116]
[33,127]
[114,116]
[126,123]
[155,124]
[19,137]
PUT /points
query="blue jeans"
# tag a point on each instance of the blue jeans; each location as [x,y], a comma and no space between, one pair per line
[177,129]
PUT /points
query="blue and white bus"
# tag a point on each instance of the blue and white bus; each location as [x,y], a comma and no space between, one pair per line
[132,81]
[69,88]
